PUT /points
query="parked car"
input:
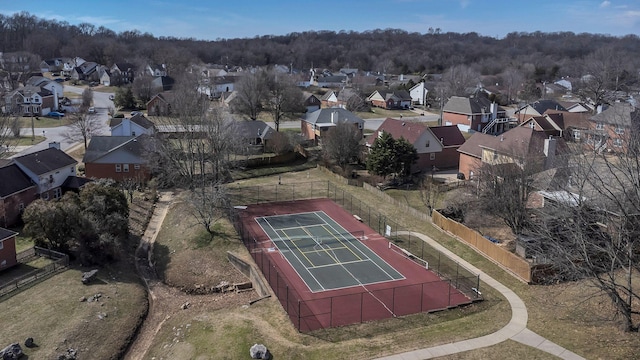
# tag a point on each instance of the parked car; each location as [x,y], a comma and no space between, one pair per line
[112,97]
[134,113]
[58,80]
[55,114]
[92,110]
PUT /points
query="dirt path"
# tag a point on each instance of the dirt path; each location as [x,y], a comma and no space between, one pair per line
[163,300]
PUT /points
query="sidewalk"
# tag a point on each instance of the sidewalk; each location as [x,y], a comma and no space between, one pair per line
[515,330]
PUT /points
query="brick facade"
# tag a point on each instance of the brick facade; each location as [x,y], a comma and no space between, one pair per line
[8,253]
[11,206]
[108,171]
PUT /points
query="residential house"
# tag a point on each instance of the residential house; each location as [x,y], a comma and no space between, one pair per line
[315,124]
[437,146]
[554,89]
[574,125]
[329,99]
[419,93]
[52,65]
[327,80]
[475,113]
[133,126]
[156,70]
[611,128]
[255,135]
[8,256]
[390,99]
[538,108]
[312,102]
[160,104]
[16,192]
[118,158]
[48,169]
[222,84]
[514,146]
[346,97]
[87,71]
[104,75]
[45,83]
[349,72]
[30,101]
[122,73]
[544,124]
[70,64]
[162,83]
[578,107]
[565,84]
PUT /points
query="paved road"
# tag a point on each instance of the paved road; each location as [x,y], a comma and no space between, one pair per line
[369,124]
[59,134]
[515,330]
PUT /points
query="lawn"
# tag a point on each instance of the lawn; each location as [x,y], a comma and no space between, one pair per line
[384,113]
[41,122]
[52,313]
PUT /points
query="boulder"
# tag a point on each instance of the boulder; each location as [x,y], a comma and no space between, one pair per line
[11,352]
[259,351]
[29,342]
[88,276]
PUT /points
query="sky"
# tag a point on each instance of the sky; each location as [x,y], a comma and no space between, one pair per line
[213,19]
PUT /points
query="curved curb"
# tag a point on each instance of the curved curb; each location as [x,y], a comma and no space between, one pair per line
[516,328]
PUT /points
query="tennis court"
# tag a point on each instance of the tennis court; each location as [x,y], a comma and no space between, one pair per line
[323,253]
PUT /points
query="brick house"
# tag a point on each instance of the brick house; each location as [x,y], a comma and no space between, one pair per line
[513,146]
[17,191]
[160,104]
[387,99]
[48,169]
[8,256]
[471,113]
[117,158]
[436,146]
[315,124]
[610,129]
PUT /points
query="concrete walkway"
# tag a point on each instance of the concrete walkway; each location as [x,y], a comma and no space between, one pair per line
[515,330]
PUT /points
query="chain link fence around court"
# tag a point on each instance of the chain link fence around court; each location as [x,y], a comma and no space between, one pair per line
[302,313]
[463,279]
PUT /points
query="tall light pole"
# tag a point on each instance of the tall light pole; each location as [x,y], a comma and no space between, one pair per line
[29,93]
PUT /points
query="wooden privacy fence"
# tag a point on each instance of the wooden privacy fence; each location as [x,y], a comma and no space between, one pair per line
[512,262]
[60,262]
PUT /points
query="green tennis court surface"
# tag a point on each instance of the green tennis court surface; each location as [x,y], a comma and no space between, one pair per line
[323,253]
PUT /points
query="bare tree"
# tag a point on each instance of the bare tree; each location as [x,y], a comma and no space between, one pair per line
[87,98]
[82,125]
[513,79]
[209,204]
[342,144]
[604,73]
[592,230]
[142,88]
[9,131]
[283,98]
[251,92]
[458,78]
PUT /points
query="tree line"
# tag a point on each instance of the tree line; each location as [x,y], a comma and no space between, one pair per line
[545,56]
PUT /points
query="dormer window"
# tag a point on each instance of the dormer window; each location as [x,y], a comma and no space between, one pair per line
[599,126]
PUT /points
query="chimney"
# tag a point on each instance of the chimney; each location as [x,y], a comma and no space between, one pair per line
[334,117]
[54,145]
[494,111]
[599,109]
[549,152]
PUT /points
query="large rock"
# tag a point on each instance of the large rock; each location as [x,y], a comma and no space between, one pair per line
[259,351]
[88,276]
[11,352]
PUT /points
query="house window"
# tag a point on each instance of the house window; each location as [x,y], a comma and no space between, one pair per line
[136,166]
[45,196]
[118,168]
[125,167]
[57,193]
[1,245]
[427,144]
[599,126]
[619,130]
[133,133]
[21,207]
[432,156]
[495,155]
[617,142]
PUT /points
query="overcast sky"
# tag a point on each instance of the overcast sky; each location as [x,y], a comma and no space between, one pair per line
[210,20]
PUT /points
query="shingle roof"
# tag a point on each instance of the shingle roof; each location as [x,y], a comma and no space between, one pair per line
[13,180]
[142,121]
[323,116]
[6,233]
[253,129]
[47,160]
[519,141]
[102,145]
[450,135]
[567,120]
[617,114]
[400,94]
[410,131]
[469,106]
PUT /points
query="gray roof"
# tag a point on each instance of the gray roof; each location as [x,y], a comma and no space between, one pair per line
[324,116]
[254,129]
[617,114]
[469,106]
[6,233]
[137,119]
[400,94]
[47,160]
[13,180]
[102,145]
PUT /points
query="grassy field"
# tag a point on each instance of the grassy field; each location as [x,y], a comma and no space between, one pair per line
[384,113]
[573,315]
[41,122]
[53,314]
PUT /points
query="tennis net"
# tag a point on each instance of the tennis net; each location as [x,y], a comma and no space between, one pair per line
[409,255]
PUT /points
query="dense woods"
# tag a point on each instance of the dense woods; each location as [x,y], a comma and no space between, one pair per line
[541,56]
